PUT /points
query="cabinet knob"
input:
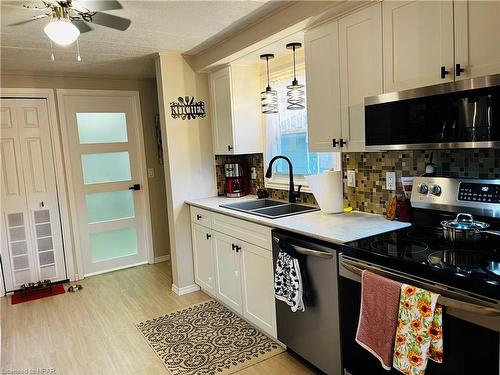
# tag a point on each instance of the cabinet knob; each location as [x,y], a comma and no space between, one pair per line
[444,72]
[229,147]
[209,236]
[198,217]
[342,142]
[335,142]
[458,70]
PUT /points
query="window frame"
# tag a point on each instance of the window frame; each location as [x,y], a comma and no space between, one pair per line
[282,181]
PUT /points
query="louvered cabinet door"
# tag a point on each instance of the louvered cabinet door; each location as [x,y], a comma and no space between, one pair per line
[30,215]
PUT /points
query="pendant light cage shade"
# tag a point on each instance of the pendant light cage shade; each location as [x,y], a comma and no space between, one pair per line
[268,97]
[295,96]
[269,101]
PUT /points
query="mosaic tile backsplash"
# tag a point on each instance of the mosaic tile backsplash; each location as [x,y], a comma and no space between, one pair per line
[370,195]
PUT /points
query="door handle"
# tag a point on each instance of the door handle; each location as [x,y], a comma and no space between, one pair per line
[458,70]
[342,142]
[334,142]
[444,72]
[209,236]
[135,187]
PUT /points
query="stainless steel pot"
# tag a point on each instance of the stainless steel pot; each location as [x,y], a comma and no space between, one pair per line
[465,229]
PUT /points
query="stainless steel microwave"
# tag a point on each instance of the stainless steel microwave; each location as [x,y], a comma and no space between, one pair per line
[462,114]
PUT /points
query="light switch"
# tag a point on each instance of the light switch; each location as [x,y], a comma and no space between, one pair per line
[151,172]
[351,178]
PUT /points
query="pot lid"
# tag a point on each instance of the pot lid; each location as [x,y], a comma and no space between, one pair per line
[464,221]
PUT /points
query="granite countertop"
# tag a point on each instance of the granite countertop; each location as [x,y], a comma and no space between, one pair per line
[336,228]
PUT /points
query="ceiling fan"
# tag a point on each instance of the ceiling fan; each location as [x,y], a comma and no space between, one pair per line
[69,18]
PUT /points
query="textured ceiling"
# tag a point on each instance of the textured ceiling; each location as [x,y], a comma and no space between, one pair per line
[157,26]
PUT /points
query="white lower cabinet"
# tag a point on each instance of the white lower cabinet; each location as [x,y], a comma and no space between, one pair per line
[203,253]
[258,287]
[227,262]
[237,273]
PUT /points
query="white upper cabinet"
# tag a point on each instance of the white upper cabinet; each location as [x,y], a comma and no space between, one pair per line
[418,43]
[360,46]
[235,110]
[477,38]
[323,87]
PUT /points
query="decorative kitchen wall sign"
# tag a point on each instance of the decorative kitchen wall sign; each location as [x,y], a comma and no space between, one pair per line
[187,109]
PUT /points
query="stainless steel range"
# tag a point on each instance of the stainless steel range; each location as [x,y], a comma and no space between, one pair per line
[466,274]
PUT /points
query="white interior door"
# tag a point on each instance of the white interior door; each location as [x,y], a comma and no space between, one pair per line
[104,139]
[32,247]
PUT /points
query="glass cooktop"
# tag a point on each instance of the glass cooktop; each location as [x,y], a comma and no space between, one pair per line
[424,252]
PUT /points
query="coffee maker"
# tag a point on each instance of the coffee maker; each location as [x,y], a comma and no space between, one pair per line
[236,180]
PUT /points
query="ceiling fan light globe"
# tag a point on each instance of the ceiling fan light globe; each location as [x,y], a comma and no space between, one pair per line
[62,32]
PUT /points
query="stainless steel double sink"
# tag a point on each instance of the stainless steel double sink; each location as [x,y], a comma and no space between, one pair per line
[270,208]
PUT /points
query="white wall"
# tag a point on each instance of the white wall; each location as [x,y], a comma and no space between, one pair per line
[149,108]
[189,160]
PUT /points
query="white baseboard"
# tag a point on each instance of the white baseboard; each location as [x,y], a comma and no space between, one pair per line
[185,290]
[162,258]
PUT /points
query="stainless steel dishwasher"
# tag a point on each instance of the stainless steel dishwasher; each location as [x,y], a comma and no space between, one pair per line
[315,333]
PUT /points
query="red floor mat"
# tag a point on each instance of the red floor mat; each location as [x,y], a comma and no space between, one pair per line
[20,298]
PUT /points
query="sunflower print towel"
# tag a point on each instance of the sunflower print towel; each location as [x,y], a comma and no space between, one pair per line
[419,331]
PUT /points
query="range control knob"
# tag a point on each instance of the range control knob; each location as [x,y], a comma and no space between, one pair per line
[423,188]
[435,189]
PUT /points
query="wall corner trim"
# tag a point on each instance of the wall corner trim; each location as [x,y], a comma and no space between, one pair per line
[162,258]
[185,290]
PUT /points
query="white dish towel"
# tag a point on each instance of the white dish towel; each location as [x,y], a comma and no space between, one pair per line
[288,282]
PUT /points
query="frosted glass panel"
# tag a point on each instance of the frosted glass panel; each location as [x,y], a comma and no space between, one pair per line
[112,205]
[101,127]
[113,244]
[106,167]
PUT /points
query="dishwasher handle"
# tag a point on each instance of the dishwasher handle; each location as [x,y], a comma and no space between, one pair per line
[306,251]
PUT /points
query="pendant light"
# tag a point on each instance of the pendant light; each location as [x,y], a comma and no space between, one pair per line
[295,93]
[269,97]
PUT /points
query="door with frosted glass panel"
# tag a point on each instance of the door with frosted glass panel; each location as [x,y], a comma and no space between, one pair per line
[103,133]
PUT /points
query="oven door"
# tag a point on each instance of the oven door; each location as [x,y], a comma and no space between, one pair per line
[469,348]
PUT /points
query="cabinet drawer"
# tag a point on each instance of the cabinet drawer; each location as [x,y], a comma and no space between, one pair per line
[201,216]
[256,234]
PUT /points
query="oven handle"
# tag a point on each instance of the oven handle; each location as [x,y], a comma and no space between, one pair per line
[306,251]
[442,300]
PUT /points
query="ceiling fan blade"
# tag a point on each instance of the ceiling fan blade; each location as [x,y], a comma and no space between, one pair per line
[96,5]
[35,18]
[109,20]
[82,26]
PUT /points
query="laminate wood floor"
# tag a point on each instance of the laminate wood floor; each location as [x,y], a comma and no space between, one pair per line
[93,331]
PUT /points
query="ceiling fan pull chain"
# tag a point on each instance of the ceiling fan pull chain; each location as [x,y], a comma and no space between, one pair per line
[52,57]
[78,57]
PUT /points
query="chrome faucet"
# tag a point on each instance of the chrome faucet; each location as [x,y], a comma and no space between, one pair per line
[292,194]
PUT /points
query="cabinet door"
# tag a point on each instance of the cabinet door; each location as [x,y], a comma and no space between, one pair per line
[360,46]
[258,287]
[204,260]
[228,271]
[222,115]
[418,41]
[477,38]
[323,87]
